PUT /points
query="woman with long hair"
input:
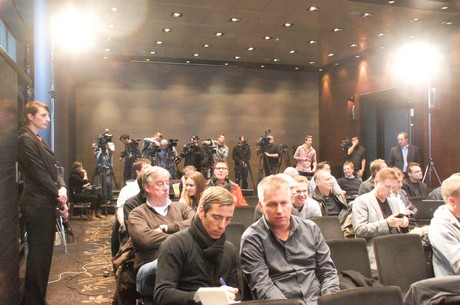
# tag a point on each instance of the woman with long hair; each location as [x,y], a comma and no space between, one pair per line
[195,183]
[44,191]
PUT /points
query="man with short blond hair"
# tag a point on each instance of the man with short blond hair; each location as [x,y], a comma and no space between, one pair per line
[306,206]
[444,231]
[349,182]
[284,256]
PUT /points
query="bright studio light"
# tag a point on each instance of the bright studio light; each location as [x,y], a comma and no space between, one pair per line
[74,30]
[417,62]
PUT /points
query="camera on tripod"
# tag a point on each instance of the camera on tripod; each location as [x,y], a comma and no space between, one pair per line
[346,144]
[264,140]
[172,143]
[151,148]
[104,138]
[209,147]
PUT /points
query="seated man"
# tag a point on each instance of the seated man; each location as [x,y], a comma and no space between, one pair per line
[200,255]
[324,165]
[376,213]
[413,185]
[349,183]
[285,256]
[444,232]
[152,222]
[368,185]
[306,206]
[332,203]
[220,178]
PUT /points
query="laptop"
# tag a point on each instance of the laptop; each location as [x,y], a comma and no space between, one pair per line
[214,296]
[427,208]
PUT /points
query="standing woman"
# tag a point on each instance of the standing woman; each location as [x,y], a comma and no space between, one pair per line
[44,191]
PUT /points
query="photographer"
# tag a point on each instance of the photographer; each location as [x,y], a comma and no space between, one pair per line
[241,154]
[81,190]
[130,154]
[151,148]
[271,153]
[356,154]
[103,150]
[193,153]
[214,150]
[167,154]
[305,155]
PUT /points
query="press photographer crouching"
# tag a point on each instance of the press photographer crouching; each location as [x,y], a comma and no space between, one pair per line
[82,191]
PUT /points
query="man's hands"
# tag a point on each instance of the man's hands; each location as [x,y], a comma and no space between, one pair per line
[398,220]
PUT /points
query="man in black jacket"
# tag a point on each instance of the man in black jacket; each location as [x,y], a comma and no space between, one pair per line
[401,155]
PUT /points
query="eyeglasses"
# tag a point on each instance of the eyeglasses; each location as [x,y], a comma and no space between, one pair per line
[221,168]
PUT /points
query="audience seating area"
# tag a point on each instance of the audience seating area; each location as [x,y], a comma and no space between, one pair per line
[364,296]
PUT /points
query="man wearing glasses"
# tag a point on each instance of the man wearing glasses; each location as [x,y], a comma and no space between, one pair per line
[220,178]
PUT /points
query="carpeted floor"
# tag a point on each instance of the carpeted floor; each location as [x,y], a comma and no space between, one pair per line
[84,274]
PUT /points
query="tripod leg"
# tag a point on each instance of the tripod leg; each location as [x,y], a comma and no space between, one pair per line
[261,169]
[252,178]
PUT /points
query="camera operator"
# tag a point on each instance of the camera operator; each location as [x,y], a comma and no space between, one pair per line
[130,154]
[103,150]
[272,153]
[193,153]
[241,154]
[167,154]
[356,154]
[151,148]
[305,155]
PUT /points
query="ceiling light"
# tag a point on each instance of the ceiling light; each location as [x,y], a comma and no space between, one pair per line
[114,9]
[365,15]
[312,8]
[311,62]
[262,66]
[166,30]
[335,30]
[218,34]
[206,45]
[353,45]
[292,52]
[415,20]
[153,52]
[381,34]
[288,25]
[267,37]
[447,22]
[147,59]
[107,50]
[251,49]
[226,64]
[105,57]
[276,59]
[111,26]
[336,64]
[357,56]
[313,41]
[391,1]
[297,68]
[188,61]
[234,19]
[159,42]
[444,7]
[330,54]
[320,70]
[196,54]
[237,57]
[176,14]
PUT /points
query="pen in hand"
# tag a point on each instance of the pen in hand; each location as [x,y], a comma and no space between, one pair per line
[222,281]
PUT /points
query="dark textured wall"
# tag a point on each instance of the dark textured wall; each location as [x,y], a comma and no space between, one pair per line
[181,101]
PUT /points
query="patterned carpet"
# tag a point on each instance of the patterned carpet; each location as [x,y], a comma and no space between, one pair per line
[84,274]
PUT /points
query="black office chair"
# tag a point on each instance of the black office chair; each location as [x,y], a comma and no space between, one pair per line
[400,260]
[389,295]
[244,214]
[350,254]
[329,226]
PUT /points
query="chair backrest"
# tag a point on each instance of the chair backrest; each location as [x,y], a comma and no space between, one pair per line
[350,254]
[389,295]
[400,260]
[329,226]
[233,232]
[244,214]
[252,200]
[423,291]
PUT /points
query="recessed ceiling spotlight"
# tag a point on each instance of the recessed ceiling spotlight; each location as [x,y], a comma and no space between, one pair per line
[357,56]
[297,68]
[166,30]
[320,70]
[447,22]
[234,19]
[444,7]
[312,8]
[382,47]
[267,37]
[288,24]
[262,66]
[196,54]
[206,45]
[292,51]
[276,59]
[188,61]
[251,49]
[415,20]
[335,30]
[391,1]
[105,57]
[159,42]
[111,26]
[353,45]
[226,64]
[218,34]
[237,57]
[153,52]
[311,62]
[147,59]
[312,41]
[176,14]
[114,9]
[365,15]
[381,34]
[336,64]
[330,54]
[107,50]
